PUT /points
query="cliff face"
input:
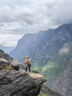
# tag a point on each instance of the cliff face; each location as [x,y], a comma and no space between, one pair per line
[63,83]
[43,45]
[17,83]
[20,83]
[46,91]
[59,71]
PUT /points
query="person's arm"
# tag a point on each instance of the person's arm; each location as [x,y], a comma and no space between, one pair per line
[31,58]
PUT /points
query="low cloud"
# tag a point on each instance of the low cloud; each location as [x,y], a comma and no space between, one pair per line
[38,13]
[31,16]
[9,40]
[1,24]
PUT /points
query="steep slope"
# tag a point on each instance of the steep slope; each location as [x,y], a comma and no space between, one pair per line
[46,91]
[7,62]
[5,56]
[43,45]
[30,44]
[58,71]
[64,82]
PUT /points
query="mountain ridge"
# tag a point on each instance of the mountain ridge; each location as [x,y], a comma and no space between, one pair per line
[44,44]
[58,70]
[48,46]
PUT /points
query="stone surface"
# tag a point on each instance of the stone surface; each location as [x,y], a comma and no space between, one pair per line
[3,61]
[20,83]
[6,59]
[5,56]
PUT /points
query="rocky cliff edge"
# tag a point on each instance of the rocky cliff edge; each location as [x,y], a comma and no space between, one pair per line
[20,83]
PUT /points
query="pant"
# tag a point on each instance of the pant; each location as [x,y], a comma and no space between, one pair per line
[28,67]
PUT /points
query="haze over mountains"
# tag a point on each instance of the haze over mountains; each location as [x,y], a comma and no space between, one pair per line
[43,45]
[52,55]
[6,49]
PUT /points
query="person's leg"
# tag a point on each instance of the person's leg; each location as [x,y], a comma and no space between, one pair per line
[29,68]
[26,67]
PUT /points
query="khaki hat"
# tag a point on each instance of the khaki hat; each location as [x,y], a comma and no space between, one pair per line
[27,56]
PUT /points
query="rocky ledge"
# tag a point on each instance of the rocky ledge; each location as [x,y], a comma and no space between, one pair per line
[20,83]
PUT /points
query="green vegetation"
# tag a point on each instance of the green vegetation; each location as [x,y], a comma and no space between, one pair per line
[42,94]
[55,67]
[46,91]
[44,55]
[6,67]
[36,70]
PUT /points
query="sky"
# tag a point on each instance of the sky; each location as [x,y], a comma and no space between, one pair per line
[19,17]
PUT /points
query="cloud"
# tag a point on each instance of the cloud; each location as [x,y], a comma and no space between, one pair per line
[1,24]
[9,40]
[38,13]
[31,16]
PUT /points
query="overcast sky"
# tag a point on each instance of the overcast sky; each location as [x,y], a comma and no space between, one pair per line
[18,17]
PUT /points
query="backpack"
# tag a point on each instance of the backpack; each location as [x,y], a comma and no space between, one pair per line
[28,62]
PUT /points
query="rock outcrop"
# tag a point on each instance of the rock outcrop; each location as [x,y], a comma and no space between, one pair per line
[3,61]
[20,83]
[5,56]
[7,60]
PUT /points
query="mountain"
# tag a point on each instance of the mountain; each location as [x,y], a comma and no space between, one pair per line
[6,49]
[43,45]
[58,71]
[64,82]
[52,53]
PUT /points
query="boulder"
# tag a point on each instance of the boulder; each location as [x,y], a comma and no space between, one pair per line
[3,61]
[20,83]
[15,64]
[7,60]
[5,56]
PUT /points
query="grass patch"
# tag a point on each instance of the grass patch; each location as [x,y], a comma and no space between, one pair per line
[6,67]
[55,67]
[42,94]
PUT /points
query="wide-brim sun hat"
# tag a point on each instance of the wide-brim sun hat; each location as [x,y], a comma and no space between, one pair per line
[27,56]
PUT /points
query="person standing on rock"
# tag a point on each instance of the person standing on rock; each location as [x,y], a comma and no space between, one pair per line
[28,64]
